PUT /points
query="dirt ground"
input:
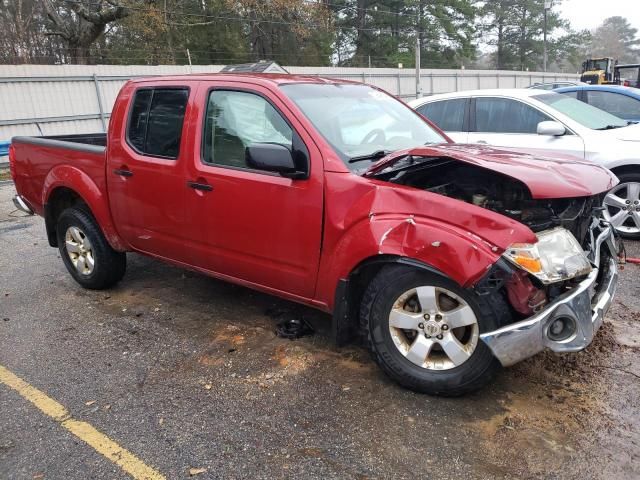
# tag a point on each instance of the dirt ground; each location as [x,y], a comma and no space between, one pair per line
[186,372]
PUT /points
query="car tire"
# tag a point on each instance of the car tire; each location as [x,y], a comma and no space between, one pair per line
[611,210]
[85,251]
[381,297]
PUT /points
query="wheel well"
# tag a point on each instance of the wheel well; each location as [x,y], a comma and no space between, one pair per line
[349,293]
[626,169]
[59,200]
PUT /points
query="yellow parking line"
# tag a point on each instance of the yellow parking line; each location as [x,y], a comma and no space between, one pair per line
[84,431]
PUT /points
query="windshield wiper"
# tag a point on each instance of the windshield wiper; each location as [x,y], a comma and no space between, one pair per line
[611,127]
[371,156]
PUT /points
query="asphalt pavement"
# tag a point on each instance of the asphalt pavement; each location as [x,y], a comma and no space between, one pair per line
[184,373]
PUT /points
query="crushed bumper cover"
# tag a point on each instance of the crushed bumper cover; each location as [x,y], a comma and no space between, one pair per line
[586,304]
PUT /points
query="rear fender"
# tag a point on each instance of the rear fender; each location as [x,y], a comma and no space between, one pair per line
[96,199]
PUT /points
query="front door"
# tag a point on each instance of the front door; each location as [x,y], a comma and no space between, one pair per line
[255,226]
[146,171]
[505,122]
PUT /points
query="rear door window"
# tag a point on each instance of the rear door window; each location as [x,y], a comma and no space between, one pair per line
[156,121]
[504,115]
[446,114]
[616,104]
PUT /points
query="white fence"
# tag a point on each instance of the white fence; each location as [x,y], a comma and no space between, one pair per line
[60,99]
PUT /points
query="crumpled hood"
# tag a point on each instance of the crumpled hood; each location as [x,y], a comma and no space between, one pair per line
[546,175]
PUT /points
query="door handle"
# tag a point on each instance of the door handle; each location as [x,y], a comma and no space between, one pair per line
[123,172]
[483,142]
[199,186]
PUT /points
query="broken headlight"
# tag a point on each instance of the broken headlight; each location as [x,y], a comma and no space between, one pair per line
[557,256]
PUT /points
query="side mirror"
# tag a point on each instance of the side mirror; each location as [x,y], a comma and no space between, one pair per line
[271,157]
[551,129]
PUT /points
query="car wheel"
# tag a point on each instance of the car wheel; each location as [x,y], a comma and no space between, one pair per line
[85,251]
[622,206]
[424,330]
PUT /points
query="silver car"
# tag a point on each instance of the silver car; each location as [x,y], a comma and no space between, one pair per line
[539,120]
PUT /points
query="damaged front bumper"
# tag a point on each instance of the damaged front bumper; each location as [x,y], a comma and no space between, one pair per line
[582,307]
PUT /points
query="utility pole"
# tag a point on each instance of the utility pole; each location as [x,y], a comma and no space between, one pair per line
[418,86]
[547,7]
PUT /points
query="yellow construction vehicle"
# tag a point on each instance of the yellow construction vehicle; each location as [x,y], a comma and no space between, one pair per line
[599,71]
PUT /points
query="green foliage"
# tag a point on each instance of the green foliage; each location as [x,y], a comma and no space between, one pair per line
[516,29]
[380,33]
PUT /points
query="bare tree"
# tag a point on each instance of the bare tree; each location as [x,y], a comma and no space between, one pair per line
[81,23]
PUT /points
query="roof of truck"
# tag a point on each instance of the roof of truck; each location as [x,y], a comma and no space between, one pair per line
[273,78]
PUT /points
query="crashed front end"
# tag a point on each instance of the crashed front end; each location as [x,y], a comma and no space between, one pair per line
[559,287]
[573,310]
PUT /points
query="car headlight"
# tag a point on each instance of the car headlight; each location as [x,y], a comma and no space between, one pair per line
[556,257]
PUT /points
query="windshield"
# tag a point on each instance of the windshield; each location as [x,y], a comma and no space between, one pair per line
[586,115]
[360,121]
[601,64]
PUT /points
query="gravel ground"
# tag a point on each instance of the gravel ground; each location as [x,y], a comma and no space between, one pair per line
[185,372]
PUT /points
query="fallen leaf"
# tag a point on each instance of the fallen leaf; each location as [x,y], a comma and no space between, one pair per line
[208,386]
[89,403]
[161,421]
[38,476]
[196,471]
[107,406]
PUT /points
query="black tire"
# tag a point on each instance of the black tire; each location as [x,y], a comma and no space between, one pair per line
[109,265]
[626,178]
[391,282]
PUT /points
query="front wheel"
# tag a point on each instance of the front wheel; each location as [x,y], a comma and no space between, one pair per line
[424,330]
[622,206]
[85,251]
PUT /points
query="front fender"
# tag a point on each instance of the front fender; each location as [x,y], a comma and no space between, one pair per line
[367,218]
[92,194]
[457,253]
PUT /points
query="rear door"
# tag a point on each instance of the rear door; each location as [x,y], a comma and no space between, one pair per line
[511,123]
[146,170]
[252,225]
[452,116]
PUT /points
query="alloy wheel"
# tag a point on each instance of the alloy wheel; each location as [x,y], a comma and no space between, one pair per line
[80,250]
[622,207]
[433,328]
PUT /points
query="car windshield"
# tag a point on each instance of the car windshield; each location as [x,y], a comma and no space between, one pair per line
[586,115]
[360,122]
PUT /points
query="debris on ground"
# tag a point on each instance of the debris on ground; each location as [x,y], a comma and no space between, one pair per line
[293,329]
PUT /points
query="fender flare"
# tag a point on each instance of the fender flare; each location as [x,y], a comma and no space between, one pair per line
[74,179]
[345,319]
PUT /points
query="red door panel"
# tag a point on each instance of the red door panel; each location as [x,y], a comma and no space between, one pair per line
[147,193]
[257,227]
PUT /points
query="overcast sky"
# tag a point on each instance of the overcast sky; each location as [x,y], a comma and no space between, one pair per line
[590,13]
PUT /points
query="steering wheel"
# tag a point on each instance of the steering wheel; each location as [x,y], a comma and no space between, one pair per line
[374,135]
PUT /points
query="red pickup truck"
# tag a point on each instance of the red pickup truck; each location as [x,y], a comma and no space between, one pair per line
[447,260]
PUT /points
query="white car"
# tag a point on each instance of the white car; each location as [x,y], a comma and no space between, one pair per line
[534,119]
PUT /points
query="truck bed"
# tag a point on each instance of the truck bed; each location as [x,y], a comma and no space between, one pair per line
[41,160]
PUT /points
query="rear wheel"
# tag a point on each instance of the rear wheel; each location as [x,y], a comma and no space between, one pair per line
[622,206]
[424,332]
[85,251]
